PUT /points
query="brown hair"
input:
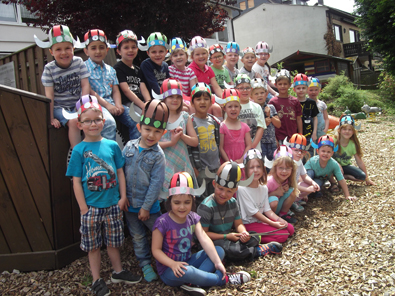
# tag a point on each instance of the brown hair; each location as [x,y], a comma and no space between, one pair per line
[179,109]
[289,163]
[168,203]
[353,138]
[262,180]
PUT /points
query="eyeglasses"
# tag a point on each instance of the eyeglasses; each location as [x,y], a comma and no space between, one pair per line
[220,57]
[286,169]
[243,88]
[89,122]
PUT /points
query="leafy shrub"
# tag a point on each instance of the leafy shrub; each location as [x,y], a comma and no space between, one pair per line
[387,86]
[350,97]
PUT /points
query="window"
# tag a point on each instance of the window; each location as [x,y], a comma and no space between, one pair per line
[337,31]
[354,36]
[251,3]
[221,35]
[243,6]
[8,13]
[322,66]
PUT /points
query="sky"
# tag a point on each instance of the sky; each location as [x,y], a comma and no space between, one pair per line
[345,5]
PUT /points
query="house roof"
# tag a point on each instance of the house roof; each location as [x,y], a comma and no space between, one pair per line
[225,5]
[300,56]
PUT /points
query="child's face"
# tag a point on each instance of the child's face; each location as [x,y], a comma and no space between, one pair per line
[259,95]
[181,205]
[63,53]
[128,50]
[179,59]
[91,122]
[232,109]
[231,59]
[298,154]
[149,135]
[248,60]
[96,51]
[173,102]
[262,58]
[217,59]
[254,167]
[325,153]
[222,194]
[157,54]
[283,171]
[301,91]
[245,92]
[313,92]
[283,85]
[200,56]
[202,104]
[346,131]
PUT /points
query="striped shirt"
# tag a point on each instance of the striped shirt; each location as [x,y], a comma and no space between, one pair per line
[184,77]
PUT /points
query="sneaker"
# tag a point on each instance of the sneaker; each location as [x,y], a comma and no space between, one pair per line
[297,207]
[270,248]
[125,276]
[290,213]
[100,288]
[327,184]
[302,202]
[239,278]
[289,219]
[193,290]
[149,273]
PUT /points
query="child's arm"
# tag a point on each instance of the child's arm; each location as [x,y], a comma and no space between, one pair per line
[190,138]
[271,219]
[313,185]
[192,82]
[221,148]
[215,87]
[248,142]
[131,95]
[79,195]
[209,248]
[111,108]
[300,124]
[144,91]
[276,121]
[258,137]
[314,135]
[123,203]
[241,231]
[49,93]
[326,118]
[362,166]
[156,248]
[85,86]
[116,96]
[175,136]
[344,187]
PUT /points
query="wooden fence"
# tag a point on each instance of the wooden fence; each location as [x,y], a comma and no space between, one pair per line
[39,217]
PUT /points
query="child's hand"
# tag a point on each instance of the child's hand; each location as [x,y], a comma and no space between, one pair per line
[84,211]
[267,111]
[286,187]
[369,182]
[123,204]
[278,192]
[113,110]
[121,109]
[244,237]
[178,267]
[314,137]
[240,160]
[55,123]
[316,186]
[175,136]
[219,266]
[143,215]
[310,189]
[280,223]
[352,198]
[234,237]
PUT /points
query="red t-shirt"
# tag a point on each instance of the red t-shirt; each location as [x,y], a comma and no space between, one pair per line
[202,76]
[288,109]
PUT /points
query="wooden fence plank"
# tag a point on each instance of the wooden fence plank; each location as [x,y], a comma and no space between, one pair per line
[32,72]
[18,187]
[24,82]
[39,69]
[37,113]
[16,67]
[29,157]
[12,229]
[3,244]
[48,55]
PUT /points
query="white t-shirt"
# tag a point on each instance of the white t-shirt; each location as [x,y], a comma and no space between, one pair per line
[300,171]
[252,201]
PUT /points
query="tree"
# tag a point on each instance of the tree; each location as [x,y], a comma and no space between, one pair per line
[181,18]
[377,21]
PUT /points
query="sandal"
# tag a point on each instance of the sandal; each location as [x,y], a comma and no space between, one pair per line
[334,188]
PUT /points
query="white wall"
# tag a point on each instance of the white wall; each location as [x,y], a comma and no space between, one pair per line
[287,27]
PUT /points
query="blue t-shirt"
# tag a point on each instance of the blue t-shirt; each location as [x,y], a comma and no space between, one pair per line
[332,167]
[96,163]
[154,75]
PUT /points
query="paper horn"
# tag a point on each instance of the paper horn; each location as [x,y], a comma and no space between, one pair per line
[228,86]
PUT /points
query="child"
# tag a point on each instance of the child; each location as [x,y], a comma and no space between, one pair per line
[178,69]
[172,239]
[251,113]
[323,166]
[235,138]
[104,82]
[174,143]
[232,52]
[288,108]
[65,79]
[220,215]
[306,185]
[248,59]
[94,161]
[155,69]
[217,58]
[346,138]
[281,183]
[131,85]
[256,214]
[261,65]
[259,95]
[145,172]
[309,107]
[206,154]
[322,118]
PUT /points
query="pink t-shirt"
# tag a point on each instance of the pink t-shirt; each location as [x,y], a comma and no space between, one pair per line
[184,77]
[202,76]
[272,184]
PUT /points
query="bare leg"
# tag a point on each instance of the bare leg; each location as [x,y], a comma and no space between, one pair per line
[74,132]
[115,258]
[94,263]
[288,202]
[273,205]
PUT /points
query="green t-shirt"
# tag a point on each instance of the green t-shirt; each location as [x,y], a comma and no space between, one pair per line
[221,76]
[331,168]
[344,157]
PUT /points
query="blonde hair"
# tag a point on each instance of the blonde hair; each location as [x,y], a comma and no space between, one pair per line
[288,163]
[353,138]
[262,180]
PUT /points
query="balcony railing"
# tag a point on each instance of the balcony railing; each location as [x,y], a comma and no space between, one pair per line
[354,49]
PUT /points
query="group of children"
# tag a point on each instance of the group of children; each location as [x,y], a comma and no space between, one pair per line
[242,148]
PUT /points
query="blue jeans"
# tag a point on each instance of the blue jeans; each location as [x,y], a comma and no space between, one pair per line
[281,199]
[129,123]
[200,272]
[268,150]
[319,181]
[357,173]
[110,127]
[138,230]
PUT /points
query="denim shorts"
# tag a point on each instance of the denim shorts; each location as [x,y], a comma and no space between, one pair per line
[57,113]
[101,223]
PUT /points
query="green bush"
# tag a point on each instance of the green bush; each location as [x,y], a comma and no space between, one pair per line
[332,89]
[387,86]
[350,97]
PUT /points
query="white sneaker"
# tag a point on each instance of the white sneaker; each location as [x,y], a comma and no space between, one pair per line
[239,278]
[193,290]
